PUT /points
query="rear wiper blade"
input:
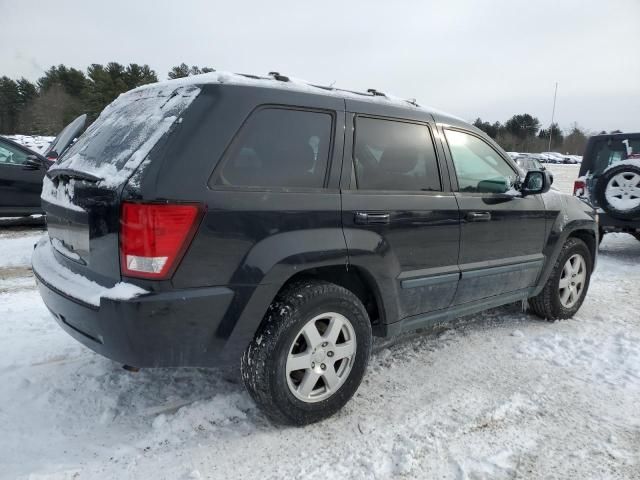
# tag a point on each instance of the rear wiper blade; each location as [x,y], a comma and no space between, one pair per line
[71,173]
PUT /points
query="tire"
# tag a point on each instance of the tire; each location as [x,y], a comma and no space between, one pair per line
[549,304]
[618,192]
[280,340]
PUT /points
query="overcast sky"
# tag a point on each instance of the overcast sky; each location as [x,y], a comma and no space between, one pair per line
[471,58]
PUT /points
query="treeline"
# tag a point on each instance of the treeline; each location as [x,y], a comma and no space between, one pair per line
[63,93]
[523,133]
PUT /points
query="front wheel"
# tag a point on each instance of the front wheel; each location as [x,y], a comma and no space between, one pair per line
[567,285]
[310,353]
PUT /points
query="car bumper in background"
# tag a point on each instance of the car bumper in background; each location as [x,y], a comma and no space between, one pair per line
[609,223]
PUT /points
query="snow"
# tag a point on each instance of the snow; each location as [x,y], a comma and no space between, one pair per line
[499,395]
[36,143]
[81,288]
[130,126]
[61,195]
[16,249]
[294,84]
[635,162]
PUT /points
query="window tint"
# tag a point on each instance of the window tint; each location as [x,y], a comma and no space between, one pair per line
[279,148]
[390,155]
[10,155]
[479,168]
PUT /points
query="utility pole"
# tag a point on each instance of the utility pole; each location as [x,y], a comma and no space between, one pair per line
[553,113]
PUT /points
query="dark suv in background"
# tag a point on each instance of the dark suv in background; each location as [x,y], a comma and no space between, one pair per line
[224,217]
[610,181]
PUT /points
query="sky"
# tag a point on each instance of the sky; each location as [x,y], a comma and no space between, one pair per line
[485,58]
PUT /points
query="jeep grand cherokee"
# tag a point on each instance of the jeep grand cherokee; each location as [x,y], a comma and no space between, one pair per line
[261,220]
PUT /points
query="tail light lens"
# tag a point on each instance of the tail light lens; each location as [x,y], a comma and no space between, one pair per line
[154,237]
[579,188]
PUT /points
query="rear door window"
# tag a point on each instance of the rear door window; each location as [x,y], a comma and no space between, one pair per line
[394,155]
[279,148]
[607,152]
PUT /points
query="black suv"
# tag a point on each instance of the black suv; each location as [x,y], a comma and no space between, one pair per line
[610,181]
[225,217]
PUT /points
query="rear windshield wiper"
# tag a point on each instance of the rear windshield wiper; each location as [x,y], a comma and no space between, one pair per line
[71,173]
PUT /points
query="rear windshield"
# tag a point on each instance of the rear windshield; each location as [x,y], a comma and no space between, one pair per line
[126,130]
[608,151]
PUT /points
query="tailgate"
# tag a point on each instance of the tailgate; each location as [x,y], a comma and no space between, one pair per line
[81,194]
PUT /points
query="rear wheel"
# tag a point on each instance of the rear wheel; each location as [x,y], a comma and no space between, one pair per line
[309,354]
[567,285]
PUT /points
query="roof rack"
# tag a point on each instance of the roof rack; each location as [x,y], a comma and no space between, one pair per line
[277,76]
[375,92]
[251,75]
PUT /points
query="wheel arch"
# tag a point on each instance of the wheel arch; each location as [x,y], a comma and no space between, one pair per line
[355,279]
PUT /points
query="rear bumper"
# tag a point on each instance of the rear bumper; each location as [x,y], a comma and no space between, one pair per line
[612,224]
[167,329]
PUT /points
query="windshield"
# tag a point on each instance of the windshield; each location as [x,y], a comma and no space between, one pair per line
[119,140]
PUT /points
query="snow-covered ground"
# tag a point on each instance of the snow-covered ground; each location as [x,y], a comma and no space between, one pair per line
[501,395]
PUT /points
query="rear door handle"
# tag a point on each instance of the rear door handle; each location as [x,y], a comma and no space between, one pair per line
[366,218]
[478,216]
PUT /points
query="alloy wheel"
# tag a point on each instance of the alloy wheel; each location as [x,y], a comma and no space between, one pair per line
[572,280]
[321,357]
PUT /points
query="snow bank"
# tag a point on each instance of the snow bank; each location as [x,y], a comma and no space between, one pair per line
[75,285]
[36,143]
[16,250]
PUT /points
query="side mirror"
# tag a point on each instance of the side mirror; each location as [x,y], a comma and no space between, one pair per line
[536,182]
[32,163]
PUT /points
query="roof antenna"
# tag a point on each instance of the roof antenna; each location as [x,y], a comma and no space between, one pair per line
[375,92]
[413,102]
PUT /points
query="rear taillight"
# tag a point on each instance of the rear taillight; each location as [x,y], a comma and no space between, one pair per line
[154,237]
[579,188]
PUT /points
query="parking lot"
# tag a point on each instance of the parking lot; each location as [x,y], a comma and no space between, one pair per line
[500,395]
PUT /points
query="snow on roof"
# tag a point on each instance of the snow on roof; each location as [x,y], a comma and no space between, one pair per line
[276,80]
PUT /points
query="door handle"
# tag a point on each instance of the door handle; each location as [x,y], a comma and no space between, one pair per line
[478,216]
[365,218]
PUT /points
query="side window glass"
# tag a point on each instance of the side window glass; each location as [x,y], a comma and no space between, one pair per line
[391,155]
[479,168]
[11,156]
[279,148]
